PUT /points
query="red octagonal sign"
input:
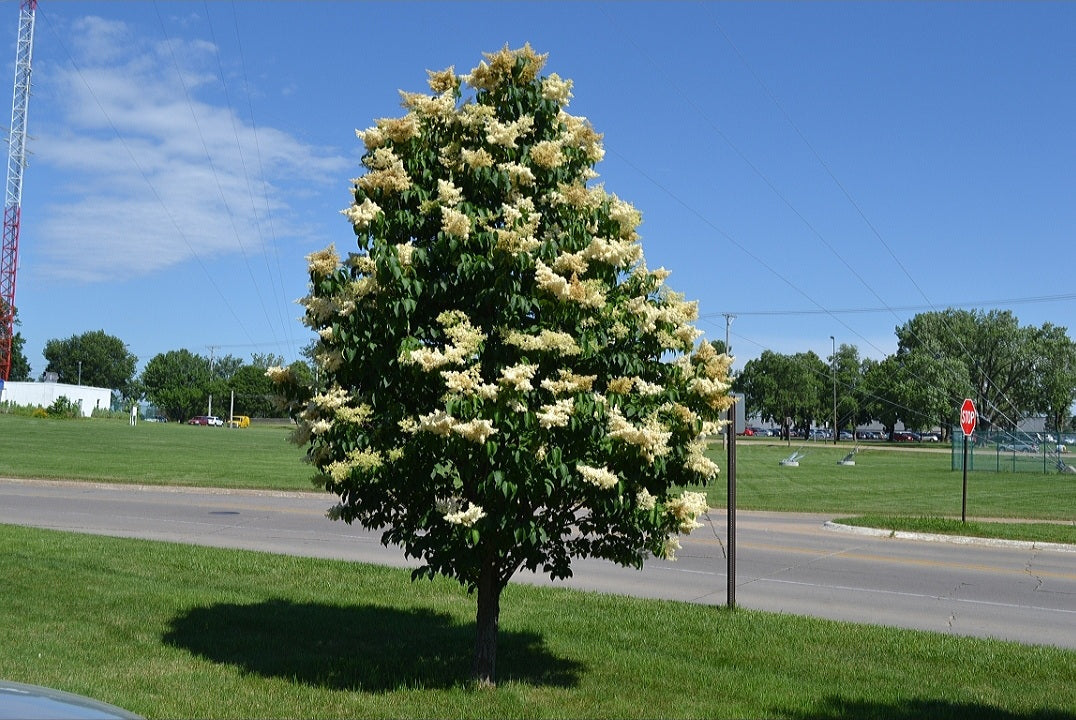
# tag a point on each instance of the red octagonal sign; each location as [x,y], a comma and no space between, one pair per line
[968,417]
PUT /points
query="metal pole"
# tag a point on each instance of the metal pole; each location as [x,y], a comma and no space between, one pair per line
[964,494]
[731,541]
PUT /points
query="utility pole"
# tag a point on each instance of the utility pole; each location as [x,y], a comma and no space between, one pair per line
[729,317]
[833,375]
[212,349]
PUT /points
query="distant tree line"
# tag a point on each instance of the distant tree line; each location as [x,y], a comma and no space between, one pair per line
[1012,372]
[179,383]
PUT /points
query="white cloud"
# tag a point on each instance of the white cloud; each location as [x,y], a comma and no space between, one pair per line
[154,173]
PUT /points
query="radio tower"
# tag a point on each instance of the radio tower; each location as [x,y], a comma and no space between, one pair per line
[16,162]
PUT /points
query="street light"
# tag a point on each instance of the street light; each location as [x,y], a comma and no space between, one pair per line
[833,374]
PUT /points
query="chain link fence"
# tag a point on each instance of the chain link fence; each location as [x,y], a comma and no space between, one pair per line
[1015,451]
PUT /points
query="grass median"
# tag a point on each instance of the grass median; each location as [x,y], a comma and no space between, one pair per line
[175,631]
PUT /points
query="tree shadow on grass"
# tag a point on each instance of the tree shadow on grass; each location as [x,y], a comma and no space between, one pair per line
[370,648]
[838,708]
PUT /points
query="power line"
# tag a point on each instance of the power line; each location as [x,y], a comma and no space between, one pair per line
[902,308]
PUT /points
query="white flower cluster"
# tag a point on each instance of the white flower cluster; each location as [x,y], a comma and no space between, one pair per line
[323,262]
[520,221]
[547,154]
[569,382]
[404,253]
[386,173]
[468,517]
[651,438]
[586,293]
[441,423]
[362,214]
[278,374]
[552,341]
[506,134]
[518,377]
[707,374]
[448,194]
[438,106]
[579,133]
[363,460]
[465,340]
[686,509]
[556,89]
[626,216]
[477,431]
[555,414]
[454,222]
[601,477]
[697,462]
[645,500]
[519,175]
[623,385]
[469,382]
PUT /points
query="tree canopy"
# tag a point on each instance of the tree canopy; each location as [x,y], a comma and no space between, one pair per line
[1012,372]
[93,358]
[19,370]
[502,382]
[177,382]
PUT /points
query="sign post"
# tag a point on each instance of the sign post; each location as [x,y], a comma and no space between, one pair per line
[968,418]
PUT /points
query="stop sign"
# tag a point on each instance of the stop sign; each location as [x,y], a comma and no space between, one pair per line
[968,417]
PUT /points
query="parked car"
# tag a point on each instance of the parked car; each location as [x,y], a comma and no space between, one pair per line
[239,421]
[845,435]
[1017,446]
[905,436]
[930,437]
[214,421]
[199,420]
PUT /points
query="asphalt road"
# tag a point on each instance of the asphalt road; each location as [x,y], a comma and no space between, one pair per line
[785,562]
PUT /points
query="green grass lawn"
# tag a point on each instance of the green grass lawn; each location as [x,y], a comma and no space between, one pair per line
[886,481]
[151,453]
[1033,531]
[176,631]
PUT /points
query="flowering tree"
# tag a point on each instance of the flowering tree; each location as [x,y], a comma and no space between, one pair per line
[503,382]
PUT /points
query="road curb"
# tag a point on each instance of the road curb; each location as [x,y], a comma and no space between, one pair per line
[952,539]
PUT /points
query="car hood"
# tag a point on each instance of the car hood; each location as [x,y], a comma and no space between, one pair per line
[33,702]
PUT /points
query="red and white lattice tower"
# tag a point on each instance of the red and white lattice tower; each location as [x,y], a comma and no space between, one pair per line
[16,163]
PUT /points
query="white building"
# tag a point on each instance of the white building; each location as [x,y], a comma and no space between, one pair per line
[44,394]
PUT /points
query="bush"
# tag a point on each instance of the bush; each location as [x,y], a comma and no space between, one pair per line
[64,408]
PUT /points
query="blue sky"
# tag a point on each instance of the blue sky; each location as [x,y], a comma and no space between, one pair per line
[818,169]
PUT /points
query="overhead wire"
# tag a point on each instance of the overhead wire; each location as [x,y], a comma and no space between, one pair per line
[209,159]
[766,180]
[289,327]
[139,167]
[246,177]
[859,210]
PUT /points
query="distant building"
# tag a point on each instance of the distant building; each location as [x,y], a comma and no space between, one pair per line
[44,394]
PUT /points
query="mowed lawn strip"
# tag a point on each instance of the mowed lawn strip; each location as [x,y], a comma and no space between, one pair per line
[1029,531]
[886,480]
[176,631]
[151,453]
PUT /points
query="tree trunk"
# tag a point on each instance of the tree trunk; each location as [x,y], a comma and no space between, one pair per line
[489,610]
